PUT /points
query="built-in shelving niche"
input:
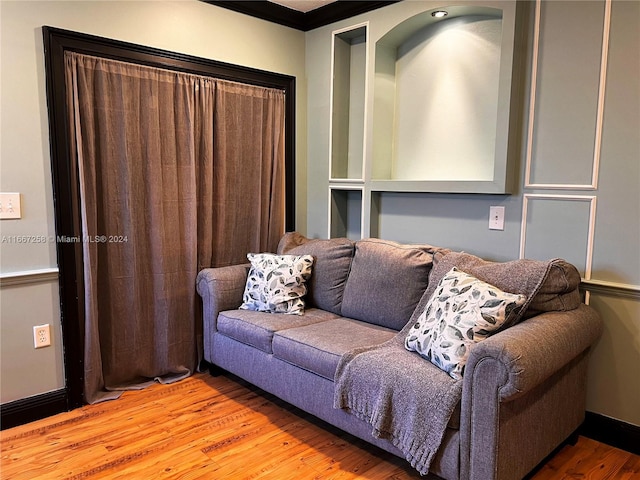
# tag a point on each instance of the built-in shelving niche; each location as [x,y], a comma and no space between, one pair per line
[431,106]
[348,102]
[345,212]
[444,107]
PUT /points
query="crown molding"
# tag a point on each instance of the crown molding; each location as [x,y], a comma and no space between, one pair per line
[288,17]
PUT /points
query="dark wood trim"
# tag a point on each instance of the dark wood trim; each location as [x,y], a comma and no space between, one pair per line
[271,12]
[341,10]
[600,428]
[64,171]
[67,218]
[33,408]
[616,433]
[288,17]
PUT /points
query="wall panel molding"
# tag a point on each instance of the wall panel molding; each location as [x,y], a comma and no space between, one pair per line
[599,112]
[611,289]
[604,60]
[27,277]
[592,200]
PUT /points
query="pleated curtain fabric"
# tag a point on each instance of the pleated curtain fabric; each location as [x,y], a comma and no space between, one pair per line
[177,172]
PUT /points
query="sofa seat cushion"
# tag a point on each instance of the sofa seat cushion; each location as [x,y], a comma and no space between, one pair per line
[257,328]
[386,282]
[318,347]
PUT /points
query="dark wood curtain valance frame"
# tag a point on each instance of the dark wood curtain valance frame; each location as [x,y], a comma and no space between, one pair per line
[65,175]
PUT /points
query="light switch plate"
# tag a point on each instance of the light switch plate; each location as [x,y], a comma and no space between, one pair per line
[10,206]
[496,218]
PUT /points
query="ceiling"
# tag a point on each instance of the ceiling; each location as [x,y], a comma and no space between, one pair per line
[303,5]
[302,14]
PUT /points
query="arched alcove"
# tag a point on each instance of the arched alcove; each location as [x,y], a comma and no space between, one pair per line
[443,108]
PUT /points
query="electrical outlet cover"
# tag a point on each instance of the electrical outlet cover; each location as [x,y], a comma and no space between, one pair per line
[41,336]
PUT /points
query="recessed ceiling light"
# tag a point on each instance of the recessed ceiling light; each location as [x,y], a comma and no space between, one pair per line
[439,14]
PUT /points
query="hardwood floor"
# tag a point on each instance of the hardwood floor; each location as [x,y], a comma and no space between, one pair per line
[220,428]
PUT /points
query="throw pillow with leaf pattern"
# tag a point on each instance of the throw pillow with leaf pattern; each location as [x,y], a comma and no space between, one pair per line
[462,311]
[277,283]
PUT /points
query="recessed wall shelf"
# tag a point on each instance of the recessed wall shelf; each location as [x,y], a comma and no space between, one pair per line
[345,212]
[348,102]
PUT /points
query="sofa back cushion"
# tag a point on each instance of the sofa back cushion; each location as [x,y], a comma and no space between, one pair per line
[559,292]
[386,281]
[332,262]
[550,285]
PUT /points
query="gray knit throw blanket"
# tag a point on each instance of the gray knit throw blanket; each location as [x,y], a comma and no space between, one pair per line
[405,398]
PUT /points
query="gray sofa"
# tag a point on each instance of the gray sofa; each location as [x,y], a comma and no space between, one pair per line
[523,389]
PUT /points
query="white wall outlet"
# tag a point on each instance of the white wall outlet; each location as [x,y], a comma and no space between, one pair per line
[496,218]
[10,206]
[42,336]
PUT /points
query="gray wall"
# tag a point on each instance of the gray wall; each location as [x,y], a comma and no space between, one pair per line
[578,193]
[562,152]
[29,287]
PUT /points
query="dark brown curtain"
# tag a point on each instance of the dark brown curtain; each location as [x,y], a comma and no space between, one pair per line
[248,167]
[177,172]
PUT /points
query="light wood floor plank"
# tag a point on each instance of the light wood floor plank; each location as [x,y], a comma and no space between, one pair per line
[631,469]
[205,428]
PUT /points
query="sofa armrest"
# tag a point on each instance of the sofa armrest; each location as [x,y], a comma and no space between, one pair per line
[221,289]
[534,349]
[529,378]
